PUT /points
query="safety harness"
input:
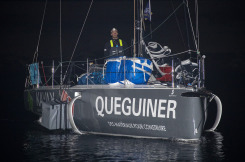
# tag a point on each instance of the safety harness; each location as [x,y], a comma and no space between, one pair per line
[120,42]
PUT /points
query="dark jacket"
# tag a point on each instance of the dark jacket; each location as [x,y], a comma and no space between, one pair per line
[115,48]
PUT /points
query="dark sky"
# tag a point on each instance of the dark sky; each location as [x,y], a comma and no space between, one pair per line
[221,26]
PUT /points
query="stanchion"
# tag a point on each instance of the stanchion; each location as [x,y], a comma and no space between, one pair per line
[172,72]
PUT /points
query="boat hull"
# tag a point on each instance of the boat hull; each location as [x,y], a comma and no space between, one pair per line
[137,112]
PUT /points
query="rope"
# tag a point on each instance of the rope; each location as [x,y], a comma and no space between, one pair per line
[44,75]
[197,22]
[187,29]
[182,38]
[164,20]
[40,33]
[163,52]
[60,47]
[187,51]
[78,40]
[160,53]
[141,27]
[134,32]
[193,34]
[79,67]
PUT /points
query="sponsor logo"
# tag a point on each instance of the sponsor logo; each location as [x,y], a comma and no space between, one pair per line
[157,108]
[172,94]
[137,126]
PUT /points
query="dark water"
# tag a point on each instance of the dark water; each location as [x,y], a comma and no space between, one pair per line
[27,141]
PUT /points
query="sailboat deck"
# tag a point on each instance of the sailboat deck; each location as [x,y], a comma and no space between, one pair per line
[154,86]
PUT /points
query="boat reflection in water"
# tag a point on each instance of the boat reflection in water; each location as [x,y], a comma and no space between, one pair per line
[67,146]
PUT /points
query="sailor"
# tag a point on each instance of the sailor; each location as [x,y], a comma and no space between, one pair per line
[115,47]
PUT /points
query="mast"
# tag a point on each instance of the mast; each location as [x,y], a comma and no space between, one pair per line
[138,27]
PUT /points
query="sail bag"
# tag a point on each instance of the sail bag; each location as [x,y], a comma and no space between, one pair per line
[34,74]
[122,70]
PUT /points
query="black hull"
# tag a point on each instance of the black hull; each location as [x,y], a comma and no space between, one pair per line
[136,112]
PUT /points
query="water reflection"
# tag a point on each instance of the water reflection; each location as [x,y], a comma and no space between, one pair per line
[68,146]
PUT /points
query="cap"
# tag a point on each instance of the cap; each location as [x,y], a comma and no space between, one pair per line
[113,29]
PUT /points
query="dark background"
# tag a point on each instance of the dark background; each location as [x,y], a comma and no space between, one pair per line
[221,26]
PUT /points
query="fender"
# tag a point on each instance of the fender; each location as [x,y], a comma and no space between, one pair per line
[70,115]
[219,113]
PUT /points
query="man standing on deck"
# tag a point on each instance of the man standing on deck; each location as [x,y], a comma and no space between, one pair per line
[115,47]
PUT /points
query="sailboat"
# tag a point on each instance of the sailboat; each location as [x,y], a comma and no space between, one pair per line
[124,97]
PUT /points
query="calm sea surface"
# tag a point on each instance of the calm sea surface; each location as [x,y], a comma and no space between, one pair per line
[28,141]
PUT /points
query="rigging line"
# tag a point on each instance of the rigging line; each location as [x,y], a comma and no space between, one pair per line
[180,53]
[164,20]
[182,38]
[143,17]
[60,45]
[141,26]
[193,34]
[79,67]
[197,24]
[73,61]
[186,25]
[78,39]
[148,58]
[40,33]
[134,32]
[44,74]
